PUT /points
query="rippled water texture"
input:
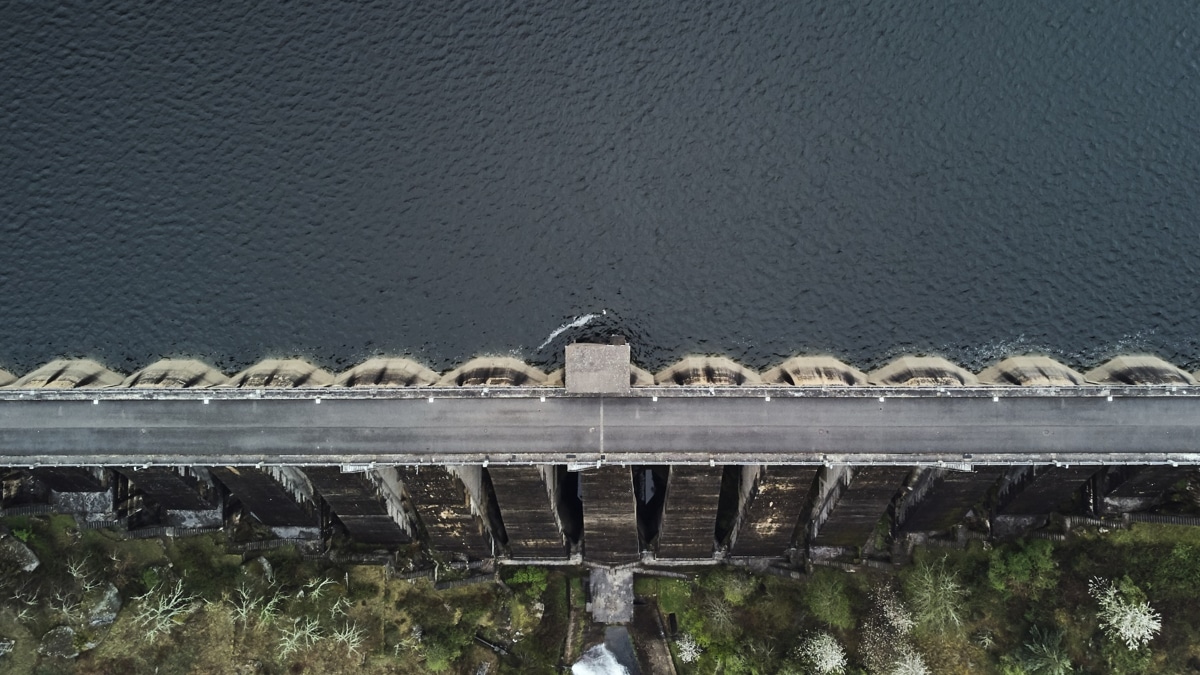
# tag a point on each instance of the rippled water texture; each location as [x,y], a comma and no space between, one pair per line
[446,179]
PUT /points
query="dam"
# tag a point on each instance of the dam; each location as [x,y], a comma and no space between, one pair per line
[602,461]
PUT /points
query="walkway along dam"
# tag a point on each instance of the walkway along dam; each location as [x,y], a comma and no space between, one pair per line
[601,461]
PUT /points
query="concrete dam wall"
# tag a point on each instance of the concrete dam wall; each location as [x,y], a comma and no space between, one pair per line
[706,460]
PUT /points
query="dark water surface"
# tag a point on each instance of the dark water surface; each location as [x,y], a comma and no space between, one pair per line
[446,179]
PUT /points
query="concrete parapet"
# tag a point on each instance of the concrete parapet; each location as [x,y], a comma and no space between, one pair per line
[1031,371]
[387,372]
[1139,369]
[527,502]
[922,371]
[695,371]
[493,371]
[280,374]
[689,519]
[69,374]
[814,371]
[610,531]
[176,373]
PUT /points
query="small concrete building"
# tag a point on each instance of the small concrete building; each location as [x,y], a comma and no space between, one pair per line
[1039,491]
[1138,488]
[168,495]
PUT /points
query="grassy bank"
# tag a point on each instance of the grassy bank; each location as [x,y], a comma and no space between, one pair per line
[1021,607]
[1028,606]
[188,607]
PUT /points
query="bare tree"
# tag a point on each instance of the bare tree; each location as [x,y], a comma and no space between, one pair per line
[159,610]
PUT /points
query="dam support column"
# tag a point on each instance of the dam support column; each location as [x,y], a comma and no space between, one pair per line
[1140,488]
[283,508]
[357,503]
[689,522]
[528,498]
[180,497]
[851,513]
[1030,494]
[776,499]
[942,498]
[610,529]
[447,509]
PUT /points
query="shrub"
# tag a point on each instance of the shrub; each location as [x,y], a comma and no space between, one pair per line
[828,601]
[1124,613]
[443,646]
[531,581]
[1024,570]
[936,597]
[734,587]
[1043,654]
[689,651]
[823,654]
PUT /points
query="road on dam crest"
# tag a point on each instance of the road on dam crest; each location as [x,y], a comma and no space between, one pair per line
[583,430]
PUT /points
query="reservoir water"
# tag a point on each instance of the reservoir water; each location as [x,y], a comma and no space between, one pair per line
[233,181]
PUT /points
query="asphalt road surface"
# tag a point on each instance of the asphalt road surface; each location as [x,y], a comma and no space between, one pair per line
[586,430]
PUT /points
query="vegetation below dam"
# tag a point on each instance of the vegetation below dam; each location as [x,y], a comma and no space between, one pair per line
[1099,600]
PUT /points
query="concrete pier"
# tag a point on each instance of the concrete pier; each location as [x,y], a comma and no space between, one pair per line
[271,502]
[942,498]
[690,513]
[527,503]
[610,533]
[449,514]
[1045,490]
[854,512]
[1139,488]
[355,501]
[778,503]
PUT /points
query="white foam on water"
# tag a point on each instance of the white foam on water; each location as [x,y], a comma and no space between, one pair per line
[579,322]
[598,661]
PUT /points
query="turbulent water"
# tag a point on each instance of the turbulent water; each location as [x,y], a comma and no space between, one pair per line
[239,180]
[598,661]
